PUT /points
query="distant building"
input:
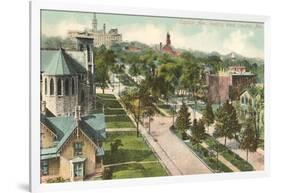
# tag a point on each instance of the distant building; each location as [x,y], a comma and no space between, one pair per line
[167,48]
[251,101]
[228,85]
[101,37]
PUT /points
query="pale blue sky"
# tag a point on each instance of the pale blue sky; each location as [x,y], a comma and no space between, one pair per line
[204,35]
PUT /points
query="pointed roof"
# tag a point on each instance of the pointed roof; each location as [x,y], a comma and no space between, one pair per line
[62,63]
[92,125]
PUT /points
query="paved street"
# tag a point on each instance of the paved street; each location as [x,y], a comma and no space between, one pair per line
[182,157]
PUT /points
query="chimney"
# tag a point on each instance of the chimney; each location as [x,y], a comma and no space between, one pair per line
[43,107]
[78,113]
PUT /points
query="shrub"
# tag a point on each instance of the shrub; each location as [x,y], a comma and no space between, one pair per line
[184,136]
[107,174]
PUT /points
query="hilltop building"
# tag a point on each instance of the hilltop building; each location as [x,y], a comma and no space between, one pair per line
[101,37]
[167,48]
[71,135]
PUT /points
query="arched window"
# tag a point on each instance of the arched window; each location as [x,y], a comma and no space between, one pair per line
[72,86]
[52,86]
[88,53]
[66,87]
[46,86]
[59,86]
[242,101]
[246,100]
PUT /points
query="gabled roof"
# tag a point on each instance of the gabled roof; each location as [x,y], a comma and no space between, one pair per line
[59,62]
[92,125]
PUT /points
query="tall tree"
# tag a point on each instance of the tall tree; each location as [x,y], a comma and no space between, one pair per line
[198,132]
[190,79]
[208,115]
[248,138]
[227,124]
[183,122]
[105,60]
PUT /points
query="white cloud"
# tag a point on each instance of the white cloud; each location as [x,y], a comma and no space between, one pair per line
[237,42]
[148,34]
[62,28]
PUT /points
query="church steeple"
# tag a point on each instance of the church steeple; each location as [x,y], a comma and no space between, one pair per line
[168,40]
[95,23]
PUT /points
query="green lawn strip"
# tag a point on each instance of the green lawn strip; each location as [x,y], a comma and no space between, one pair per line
[134,149]
[111,103]
[206,156]
[229,155]
[137,170]
[109,111]
[119,121]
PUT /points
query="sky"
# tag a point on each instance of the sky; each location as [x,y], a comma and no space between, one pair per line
[224,37]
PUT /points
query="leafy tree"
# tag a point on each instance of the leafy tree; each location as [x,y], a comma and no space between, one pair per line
[198,131]
[183,122]
[105,60]
[115,145]
[215,62]
[190,79]
[107,174]
[170,72]
[137,101]
[208,115]
[227,124]
[248,138]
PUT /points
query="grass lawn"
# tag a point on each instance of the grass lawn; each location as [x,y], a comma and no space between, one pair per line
[138,170]
[232,157]
[134,149]
[119,121]
[115,115]
[109,111]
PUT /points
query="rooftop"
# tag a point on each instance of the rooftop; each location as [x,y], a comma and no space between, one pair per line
[92,125]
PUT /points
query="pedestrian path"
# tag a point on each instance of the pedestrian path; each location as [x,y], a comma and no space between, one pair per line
[119,129]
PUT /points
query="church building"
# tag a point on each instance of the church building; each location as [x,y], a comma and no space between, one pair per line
[71,134]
